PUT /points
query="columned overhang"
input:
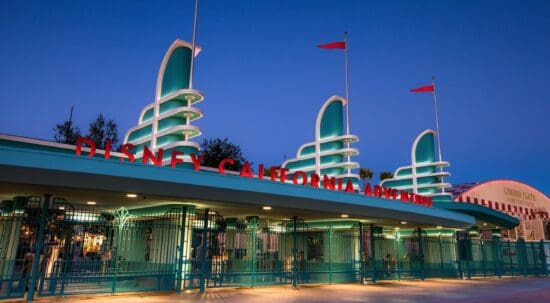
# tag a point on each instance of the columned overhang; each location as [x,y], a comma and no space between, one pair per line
[25,165]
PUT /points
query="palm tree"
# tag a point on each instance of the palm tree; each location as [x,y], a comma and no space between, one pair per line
[365,174]
[385,175]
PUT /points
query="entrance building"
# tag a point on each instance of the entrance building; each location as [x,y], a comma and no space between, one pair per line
[76,219]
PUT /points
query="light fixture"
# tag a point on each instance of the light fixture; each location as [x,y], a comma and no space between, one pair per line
[484,224]
[131,195]
[266,207]
[61,208]
[403,222]
[344,216]
[91,203]
[439,227]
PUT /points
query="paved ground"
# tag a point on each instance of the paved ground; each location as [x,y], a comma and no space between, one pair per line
[524,290]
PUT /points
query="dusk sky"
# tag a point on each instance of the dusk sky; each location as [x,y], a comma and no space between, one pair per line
[264,79]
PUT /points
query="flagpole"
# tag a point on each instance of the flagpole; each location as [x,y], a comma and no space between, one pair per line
[347,93]
[194,44]
[437,129]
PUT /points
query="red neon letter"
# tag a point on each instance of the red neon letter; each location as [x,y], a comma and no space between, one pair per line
[329,183]
[301,174]
[274,170]
[124,149]
[174,160]
[315,180]
[196,162]
[368,190]
[108,145]
[349,187]
[377,191]
[404,196]
[221,166]
[148,155]
[89,142]
[246,171]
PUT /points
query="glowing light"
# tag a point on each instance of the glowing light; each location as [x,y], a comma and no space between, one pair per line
[344,216]
[91,203]
[403,222]
[82,216]
[131,195]
[439,227]
[266,207]
[278,229]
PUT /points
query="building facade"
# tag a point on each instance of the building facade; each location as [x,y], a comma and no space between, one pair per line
[515,199]
[76,219]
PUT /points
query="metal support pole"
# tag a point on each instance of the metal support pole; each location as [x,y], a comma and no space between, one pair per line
[483,257]
[459,250]
[179,274]
[294,253]
[496,252]
[347,92]
[330,236]
[421,253]
[441,257]
[361,255]
[202,285]
[437,124]
[397,257]
[372,254]
[123,215]
[254,224]
[192,67]
[468,252]
[39,246]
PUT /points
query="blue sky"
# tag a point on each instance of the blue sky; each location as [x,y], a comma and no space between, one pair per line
[264,79]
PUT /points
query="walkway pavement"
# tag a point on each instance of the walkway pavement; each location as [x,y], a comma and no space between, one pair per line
[517,289]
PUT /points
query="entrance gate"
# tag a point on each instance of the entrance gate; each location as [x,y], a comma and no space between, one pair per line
[86,250]
[252,252]
[232,252]
[89,251]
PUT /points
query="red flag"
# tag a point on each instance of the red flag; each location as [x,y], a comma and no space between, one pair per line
[423,89]
[333,45]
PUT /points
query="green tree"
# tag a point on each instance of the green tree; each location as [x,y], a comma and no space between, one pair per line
[101,130]
[365,174]
[215,150]
[385,175]
[66,132]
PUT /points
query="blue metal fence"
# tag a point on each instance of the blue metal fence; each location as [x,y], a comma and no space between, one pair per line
[177,247]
